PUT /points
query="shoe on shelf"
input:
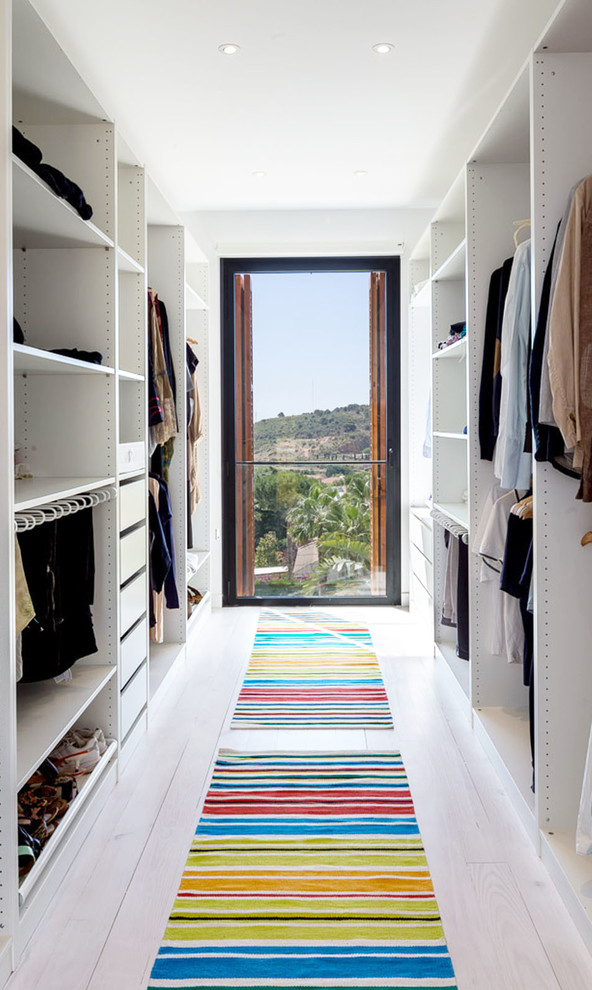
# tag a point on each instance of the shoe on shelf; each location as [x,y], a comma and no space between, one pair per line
[79,751]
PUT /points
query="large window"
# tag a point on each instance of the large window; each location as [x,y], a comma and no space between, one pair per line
[311,430]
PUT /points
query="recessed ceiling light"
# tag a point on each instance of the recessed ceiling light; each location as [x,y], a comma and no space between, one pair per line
[258,174]
[229,48]
[360,172]
[382,48]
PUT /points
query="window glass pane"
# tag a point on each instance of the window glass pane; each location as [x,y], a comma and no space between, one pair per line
[316,531]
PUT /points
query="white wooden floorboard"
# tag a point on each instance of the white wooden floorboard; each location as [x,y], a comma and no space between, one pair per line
[505,924]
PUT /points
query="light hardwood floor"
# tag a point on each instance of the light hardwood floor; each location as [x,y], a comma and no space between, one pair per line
[505,924]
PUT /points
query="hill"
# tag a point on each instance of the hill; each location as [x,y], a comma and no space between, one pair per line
[322,434]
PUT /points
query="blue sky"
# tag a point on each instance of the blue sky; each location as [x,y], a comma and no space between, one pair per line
[310,341]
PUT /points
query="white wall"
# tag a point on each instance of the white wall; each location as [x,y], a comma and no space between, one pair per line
[303,233]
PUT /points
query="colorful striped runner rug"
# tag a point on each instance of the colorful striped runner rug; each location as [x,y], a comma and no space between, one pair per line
[306,871]
[311,669]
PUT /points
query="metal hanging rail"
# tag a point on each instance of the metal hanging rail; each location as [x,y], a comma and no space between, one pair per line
[446,522]
[29,518]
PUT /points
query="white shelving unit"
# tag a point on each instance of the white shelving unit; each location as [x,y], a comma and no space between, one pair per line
[525,164]
[80,426]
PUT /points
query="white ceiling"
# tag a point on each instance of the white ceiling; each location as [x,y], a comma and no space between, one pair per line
[306,99]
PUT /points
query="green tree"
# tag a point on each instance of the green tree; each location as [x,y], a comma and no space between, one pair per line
[276,491]
[267,552]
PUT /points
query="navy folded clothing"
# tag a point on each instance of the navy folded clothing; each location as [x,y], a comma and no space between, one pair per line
[59,183]
[65,189]
[24,149]
[93,357]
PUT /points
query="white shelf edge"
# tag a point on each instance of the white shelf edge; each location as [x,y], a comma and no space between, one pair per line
[137,473]
[458,349]
[59,836]
[457,511]
[453,269]
[422,299]
[89,233]
[495,729]
[125,263]
[459,669]
[204,556]
[30,492]
[97,676]
[450,436]
[572,876]
[31,360]
[198,612]
[130,376]
[193,300]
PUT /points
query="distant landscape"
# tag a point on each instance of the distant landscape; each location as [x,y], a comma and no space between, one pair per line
[325,434]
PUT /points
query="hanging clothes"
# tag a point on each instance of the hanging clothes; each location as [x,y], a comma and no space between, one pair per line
[490,542]
[490,390]
[163,581]
[194,433]
[455,607]
[513,461]
[59,566]
[163,416]
[25,610]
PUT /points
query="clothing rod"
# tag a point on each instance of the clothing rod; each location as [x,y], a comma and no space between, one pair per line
[461,532]
[26,519]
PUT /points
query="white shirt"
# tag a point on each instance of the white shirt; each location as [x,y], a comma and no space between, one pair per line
[512,465]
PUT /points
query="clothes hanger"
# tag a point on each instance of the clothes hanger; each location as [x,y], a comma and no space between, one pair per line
[524,507]
[190,340]
[586,538]
[519,225]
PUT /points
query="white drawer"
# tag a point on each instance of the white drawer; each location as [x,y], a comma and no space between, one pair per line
[133,651]
[421,567]
[133,553]
[131,456]
[133,600]
[420,598]
[132,503]
[133,699]
[421,535]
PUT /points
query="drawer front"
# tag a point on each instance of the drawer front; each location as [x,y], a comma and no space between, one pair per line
[132,602]
[421,535]
[421,567]
[133,651]
[420,599]
[133,553]
[132,503]
[131,456]
[133,699]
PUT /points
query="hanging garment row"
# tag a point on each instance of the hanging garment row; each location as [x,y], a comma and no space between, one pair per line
[55,582]
[163,422]
[455,606]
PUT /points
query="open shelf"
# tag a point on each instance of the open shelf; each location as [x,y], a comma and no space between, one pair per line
[163,657]
[457,511]
[572,874]
[130,376]
[87,783]
[457,350]
[125,263]
[198,612]
[42,220]
[504,733]
[423,297]
[450,436]
[35,361]
[203,556]
[193,300]
[38,491]
[46,711]
[453,269]
[459,668]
